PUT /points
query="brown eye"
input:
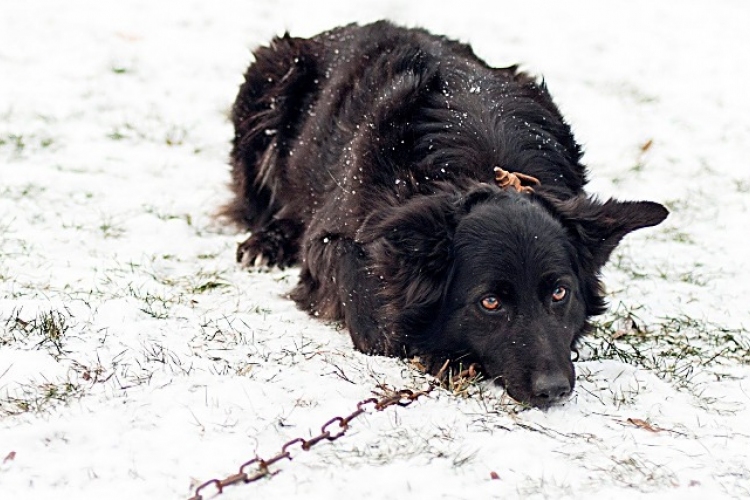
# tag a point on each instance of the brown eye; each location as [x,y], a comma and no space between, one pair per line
[491,303]
[559,293]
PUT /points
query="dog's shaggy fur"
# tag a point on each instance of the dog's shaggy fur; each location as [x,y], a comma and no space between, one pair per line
[366,154]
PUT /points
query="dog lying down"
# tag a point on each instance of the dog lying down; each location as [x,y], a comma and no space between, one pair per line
[435,204]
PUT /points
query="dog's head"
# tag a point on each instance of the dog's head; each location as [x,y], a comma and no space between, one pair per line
[507,279]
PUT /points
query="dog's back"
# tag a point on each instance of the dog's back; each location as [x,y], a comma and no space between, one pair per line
[309,108]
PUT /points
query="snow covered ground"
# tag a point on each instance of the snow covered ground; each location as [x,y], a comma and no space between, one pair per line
[137,360]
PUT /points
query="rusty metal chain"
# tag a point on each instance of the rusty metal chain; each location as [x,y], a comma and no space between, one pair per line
[328,432]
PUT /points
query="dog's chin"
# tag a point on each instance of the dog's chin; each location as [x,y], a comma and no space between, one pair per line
[513,397]
[497,387]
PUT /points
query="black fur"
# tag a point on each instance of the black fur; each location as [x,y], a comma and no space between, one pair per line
[366,154]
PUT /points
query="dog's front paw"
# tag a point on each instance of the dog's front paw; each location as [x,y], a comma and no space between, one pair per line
[264,250]
[250,255]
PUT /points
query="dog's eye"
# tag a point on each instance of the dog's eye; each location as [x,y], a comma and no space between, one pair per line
[490,303]
[559,293]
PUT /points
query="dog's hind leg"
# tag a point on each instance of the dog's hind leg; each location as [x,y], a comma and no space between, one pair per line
[275,244]
[266,116]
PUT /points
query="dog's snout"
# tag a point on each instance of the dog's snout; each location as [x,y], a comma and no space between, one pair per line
[548,388]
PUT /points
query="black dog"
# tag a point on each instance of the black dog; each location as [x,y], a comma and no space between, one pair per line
[368,155]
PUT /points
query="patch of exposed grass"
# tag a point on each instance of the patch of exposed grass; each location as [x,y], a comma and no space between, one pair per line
[154,130]
[675,348]
[158,354]
[110,229]
[162,289]
[150,209]
[638,473]
[209,285]
[5,230]
[118,133]
[40,398]
[16,193]
[201,281]
[742,185]
[20,144]
[612,392]
[622,262]
[677,205]
[693,275]
[119,69]
[47,330]
[175,135]
[675,234]
[156,305]
[543,486]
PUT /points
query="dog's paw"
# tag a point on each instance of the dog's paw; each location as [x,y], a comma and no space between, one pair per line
[263,250]
[248,256]
[253,253]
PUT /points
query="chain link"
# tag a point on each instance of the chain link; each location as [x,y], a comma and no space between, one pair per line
[258,468]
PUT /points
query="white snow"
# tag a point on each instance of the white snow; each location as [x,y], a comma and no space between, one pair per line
[170,365]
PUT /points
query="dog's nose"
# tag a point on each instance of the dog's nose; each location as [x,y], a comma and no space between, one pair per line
[547,388]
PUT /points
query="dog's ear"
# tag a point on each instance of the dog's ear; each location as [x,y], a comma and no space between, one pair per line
[600,226]
[411,250]
[413,243]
